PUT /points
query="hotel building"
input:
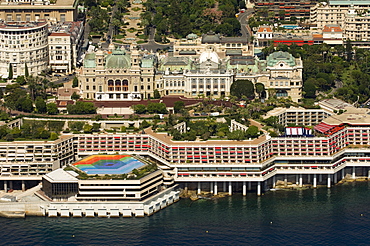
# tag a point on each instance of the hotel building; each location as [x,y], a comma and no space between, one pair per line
[61,185]
[36,10]
[341,147]
[23,44]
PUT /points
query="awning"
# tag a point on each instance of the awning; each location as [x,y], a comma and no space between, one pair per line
[323,127]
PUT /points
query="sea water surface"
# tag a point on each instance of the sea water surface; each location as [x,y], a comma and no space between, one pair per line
[336,216]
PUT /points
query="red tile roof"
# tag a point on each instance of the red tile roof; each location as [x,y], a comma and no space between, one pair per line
[59,34]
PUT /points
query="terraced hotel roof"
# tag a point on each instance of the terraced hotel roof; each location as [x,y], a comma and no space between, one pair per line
[108,164]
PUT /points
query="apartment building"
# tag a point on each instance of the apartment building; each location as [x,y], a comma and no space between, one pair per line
[64,43]
[23,163]
[334,12]
[37,10]
[287,8]
[356,25]
[23,44]
[299,116]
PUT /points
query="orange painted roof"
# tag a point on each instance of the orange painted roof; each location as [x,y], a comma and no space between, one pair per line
[332,28]
[264,29]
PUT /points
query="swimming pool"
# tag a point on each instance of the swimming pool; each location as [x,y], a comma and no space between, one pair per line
[289,26]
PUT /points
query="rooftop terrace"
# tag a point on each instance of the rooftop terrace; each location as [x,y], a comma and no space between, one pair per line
[108,164]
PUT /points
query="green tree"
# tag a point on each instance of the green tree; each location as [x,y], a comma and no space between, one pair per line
[260,88]
[75,96]
[96,127]
[53,136]
[236,135]
[75,82]
[139,108]
[240,88]
[144,124]
[178,106]
[159,108]
[40,105]
[10,71]
[26,73]
[309,88]
[52,108]
[252,132]
[25,105]
[21,80]
[76,125]
[81,108]
[156,94]
[88,128]
[349,50]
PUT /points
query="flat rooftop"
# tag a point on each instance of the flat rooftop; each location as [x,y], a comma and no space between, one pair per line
[108,164]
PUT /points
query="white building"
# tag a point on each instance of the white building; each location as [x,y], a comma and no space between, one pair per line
[36,10]
[332,34]
[60,52]
[23,43]
[264,35]
[357,25]
[65,43]
[334,11]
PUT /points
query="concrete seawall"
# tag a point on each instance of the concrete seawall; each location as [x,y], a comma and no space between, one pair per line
[112,209]
[90,209]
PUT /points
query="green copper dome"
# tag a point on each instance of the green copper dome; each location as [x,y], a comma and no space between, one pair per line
[118,59]
[276,57]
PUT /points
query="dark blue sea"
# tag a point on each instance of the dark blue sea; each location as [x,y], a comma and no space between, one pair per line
[336,216]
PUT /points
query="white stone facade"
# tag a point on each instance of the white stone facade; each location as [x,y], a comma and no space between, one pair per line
[60,52]
[335,11]
[23,43]
[357,26]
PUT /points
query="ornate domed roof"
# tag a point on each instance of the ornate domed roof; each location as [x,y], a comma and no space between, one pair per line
[209,55]
[118,59]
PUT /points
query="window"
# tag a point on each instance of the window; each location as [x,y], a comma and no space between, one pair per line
[62,17]
[94,87]
[100,88]
[110,96]
[87,87]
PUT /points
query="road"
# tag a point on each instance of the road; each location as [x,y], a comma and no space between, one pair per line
[245,30]
[243,19]
[152,45]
